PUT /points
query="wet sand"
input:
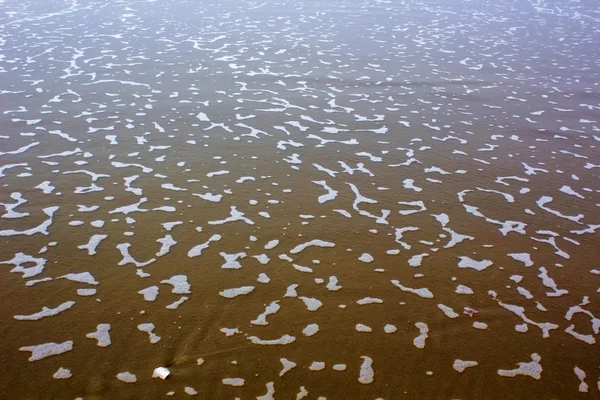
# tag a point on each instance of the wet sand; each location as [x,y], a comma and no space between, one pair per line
[341,200]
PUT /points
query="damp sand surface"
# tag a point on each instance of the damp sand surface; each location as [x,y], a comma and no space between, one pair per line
[320,200]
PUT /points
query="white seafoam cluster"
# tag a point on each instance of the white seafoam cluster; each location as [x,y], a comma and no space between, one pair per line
[362,148]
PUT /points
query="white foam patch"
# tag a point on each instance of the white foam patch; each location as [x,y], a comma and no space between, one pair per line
[41,351]
[310,329]
[541,203]
[581,375]
[315,242]
[332,284]
[317,366]
[102,335]
[339,367]
[130,208]
[419,204]
[234,292]
[419,341]
[190,391]
[521,328]
[287,366]
[179,283]
[272,244]
[97,223]
[92,244]
[150,293]
[329,196]
[229,331]
[417,259]
[197,250]
[175,305]
[269,394]
[209,197]
[462,289]
[532,369]
[170,186]
[21,259]
[231,260]
[235,215]
[422,292]
[409,184]
[302,268]
[525,258]
[480,325]
[311,303]
[545,327]
[170,225]
[366,374]
[127,377]
[262,258]
[62,373]
[263,278]
[549,283]
[46,312]
[389,328]
[568,190]
[270,309]
[369,300]
[363,328]
[237,382]
[149,328]
[461,365]
[46,187]
[128,259]
[283,340]
[467,262]
[366,258]
[291,291]
[42,228]
[166,243]
[302,393]
[448,312]
[82,277]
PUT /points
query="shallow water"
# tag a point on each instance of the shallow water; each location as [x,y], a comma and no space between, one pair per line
[320,200]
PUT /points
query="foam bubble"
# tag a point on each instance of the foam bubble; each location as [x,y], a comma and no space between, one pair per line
[234,292]
[150,293]
[237,382]
[46,312]
[369,300]
[102,335]
[467,262]
[62,373]
[367,374]
[311,303]
[310,330]
[41,351]
[179,283]
[317,366]
[363,328]
[149,328]
[270,309]
[366,258]
[339,367]
[419,341]
[287,366]
[532,369]
[315,242]
[461,365]
[283,340]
